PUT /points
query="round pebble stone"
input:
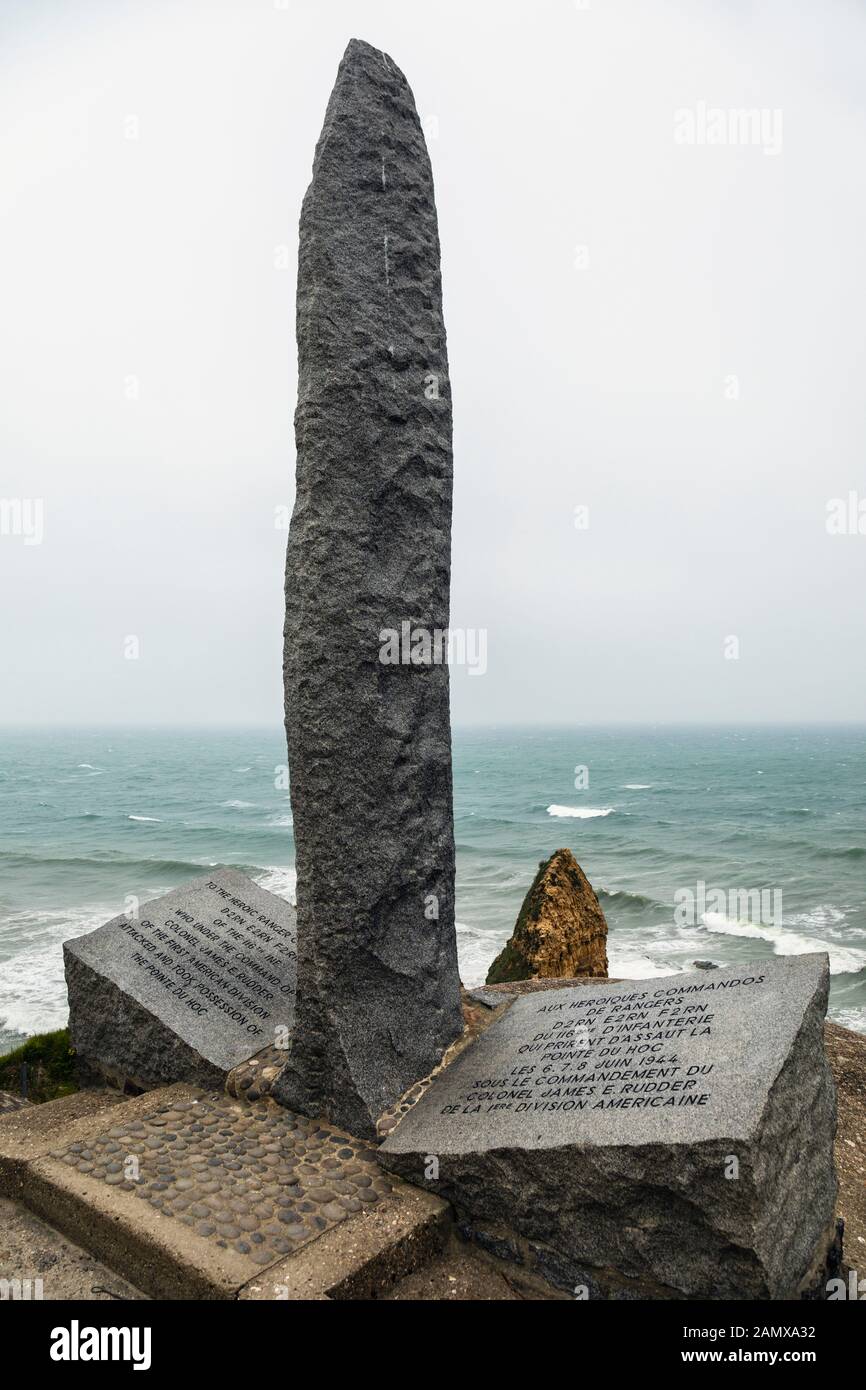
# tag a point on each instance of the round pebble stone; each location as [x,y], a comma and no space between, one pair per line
[242,1247]
[368,1195]
[228,1231]
[261,1257]
[257,1238]
[114,1178]
[334,1212]
[351,1203]
[320,1194]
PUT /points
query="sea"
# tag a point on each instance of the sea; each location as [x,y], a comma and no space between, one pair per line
[727,845]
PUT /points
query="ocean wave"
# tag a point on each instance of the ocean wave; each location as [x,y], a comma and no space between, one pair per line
[238,805]
[580,812]
[617,896]
[279,880]
[281,821]
[154,820]
[843,960]
[113,859]
[628,966]
[853,1018]
[32,983]
[637,786]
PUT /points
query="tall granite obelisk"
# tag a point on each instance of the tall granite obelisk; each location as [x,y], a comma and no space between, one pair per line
[369,555]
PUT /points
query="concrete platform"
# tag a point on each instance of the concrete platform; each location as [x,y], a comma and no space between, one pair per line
[193,1194]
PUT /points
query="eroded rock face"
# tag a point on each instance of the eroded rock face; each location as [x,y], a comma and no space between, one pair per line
[369,552]
[561,930]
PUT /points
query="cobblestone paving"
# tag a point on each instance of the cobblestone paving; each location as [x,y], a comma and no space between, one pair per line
[254,1178]
[253,1078]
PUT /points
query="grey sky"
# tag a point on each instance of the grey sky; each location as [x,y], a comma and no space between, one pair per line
[604,285]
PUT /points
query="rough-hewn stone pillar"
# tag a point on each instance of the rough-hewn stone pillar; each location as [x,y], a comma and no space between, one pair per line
[369,552]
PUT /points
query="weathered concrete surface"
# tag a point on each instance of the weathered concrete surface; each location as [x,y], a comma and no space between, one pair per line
[363,1258]
[48,1266]
[615,1162]
[369,550]
[561,930]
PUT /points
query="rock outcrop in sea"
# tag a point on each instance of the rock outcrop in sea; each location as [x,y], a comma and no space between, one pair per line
[561,930]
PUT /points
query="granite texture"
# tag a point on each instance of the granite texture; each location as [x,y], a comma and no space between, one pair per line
[369,550]
[645,1188]
[198,982]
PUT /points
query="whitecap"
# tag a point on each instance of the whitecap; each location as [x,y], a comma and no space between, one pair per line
[637,786]
[239,805]
[843,960]
[282,822]
[155,819]
[580,812]
[638,967]
[278,880]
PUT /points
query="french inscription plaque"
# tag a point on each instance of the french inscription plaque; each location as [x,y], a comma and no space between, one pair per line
[677,1129]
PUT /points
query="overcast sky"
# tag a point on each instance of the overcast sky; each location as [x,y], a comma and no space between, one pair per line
[665,331]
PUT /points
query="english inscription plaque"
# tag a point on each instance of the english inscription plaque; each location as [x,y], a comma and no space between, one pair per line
[189,986]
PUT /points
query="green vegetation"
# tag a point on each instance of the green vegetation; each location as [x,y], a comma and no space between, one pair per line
[50,1067]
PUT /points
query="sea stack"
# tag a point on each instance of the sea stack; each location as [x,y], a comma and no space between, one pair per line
[561,930]
[367,716]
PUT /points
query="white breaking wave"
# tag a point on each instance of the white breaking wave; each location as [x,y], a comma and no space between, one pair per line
[281,881]
[638,967]
[843,960]
[239,805]
[637,787]
[580,812]
[155,819]
[476,952]
[282,821]
[32,983]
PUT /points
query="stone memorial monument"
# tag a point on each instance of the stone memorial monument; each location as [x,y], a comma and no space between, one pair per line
[369,557]
[195,983]
[662,1138]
